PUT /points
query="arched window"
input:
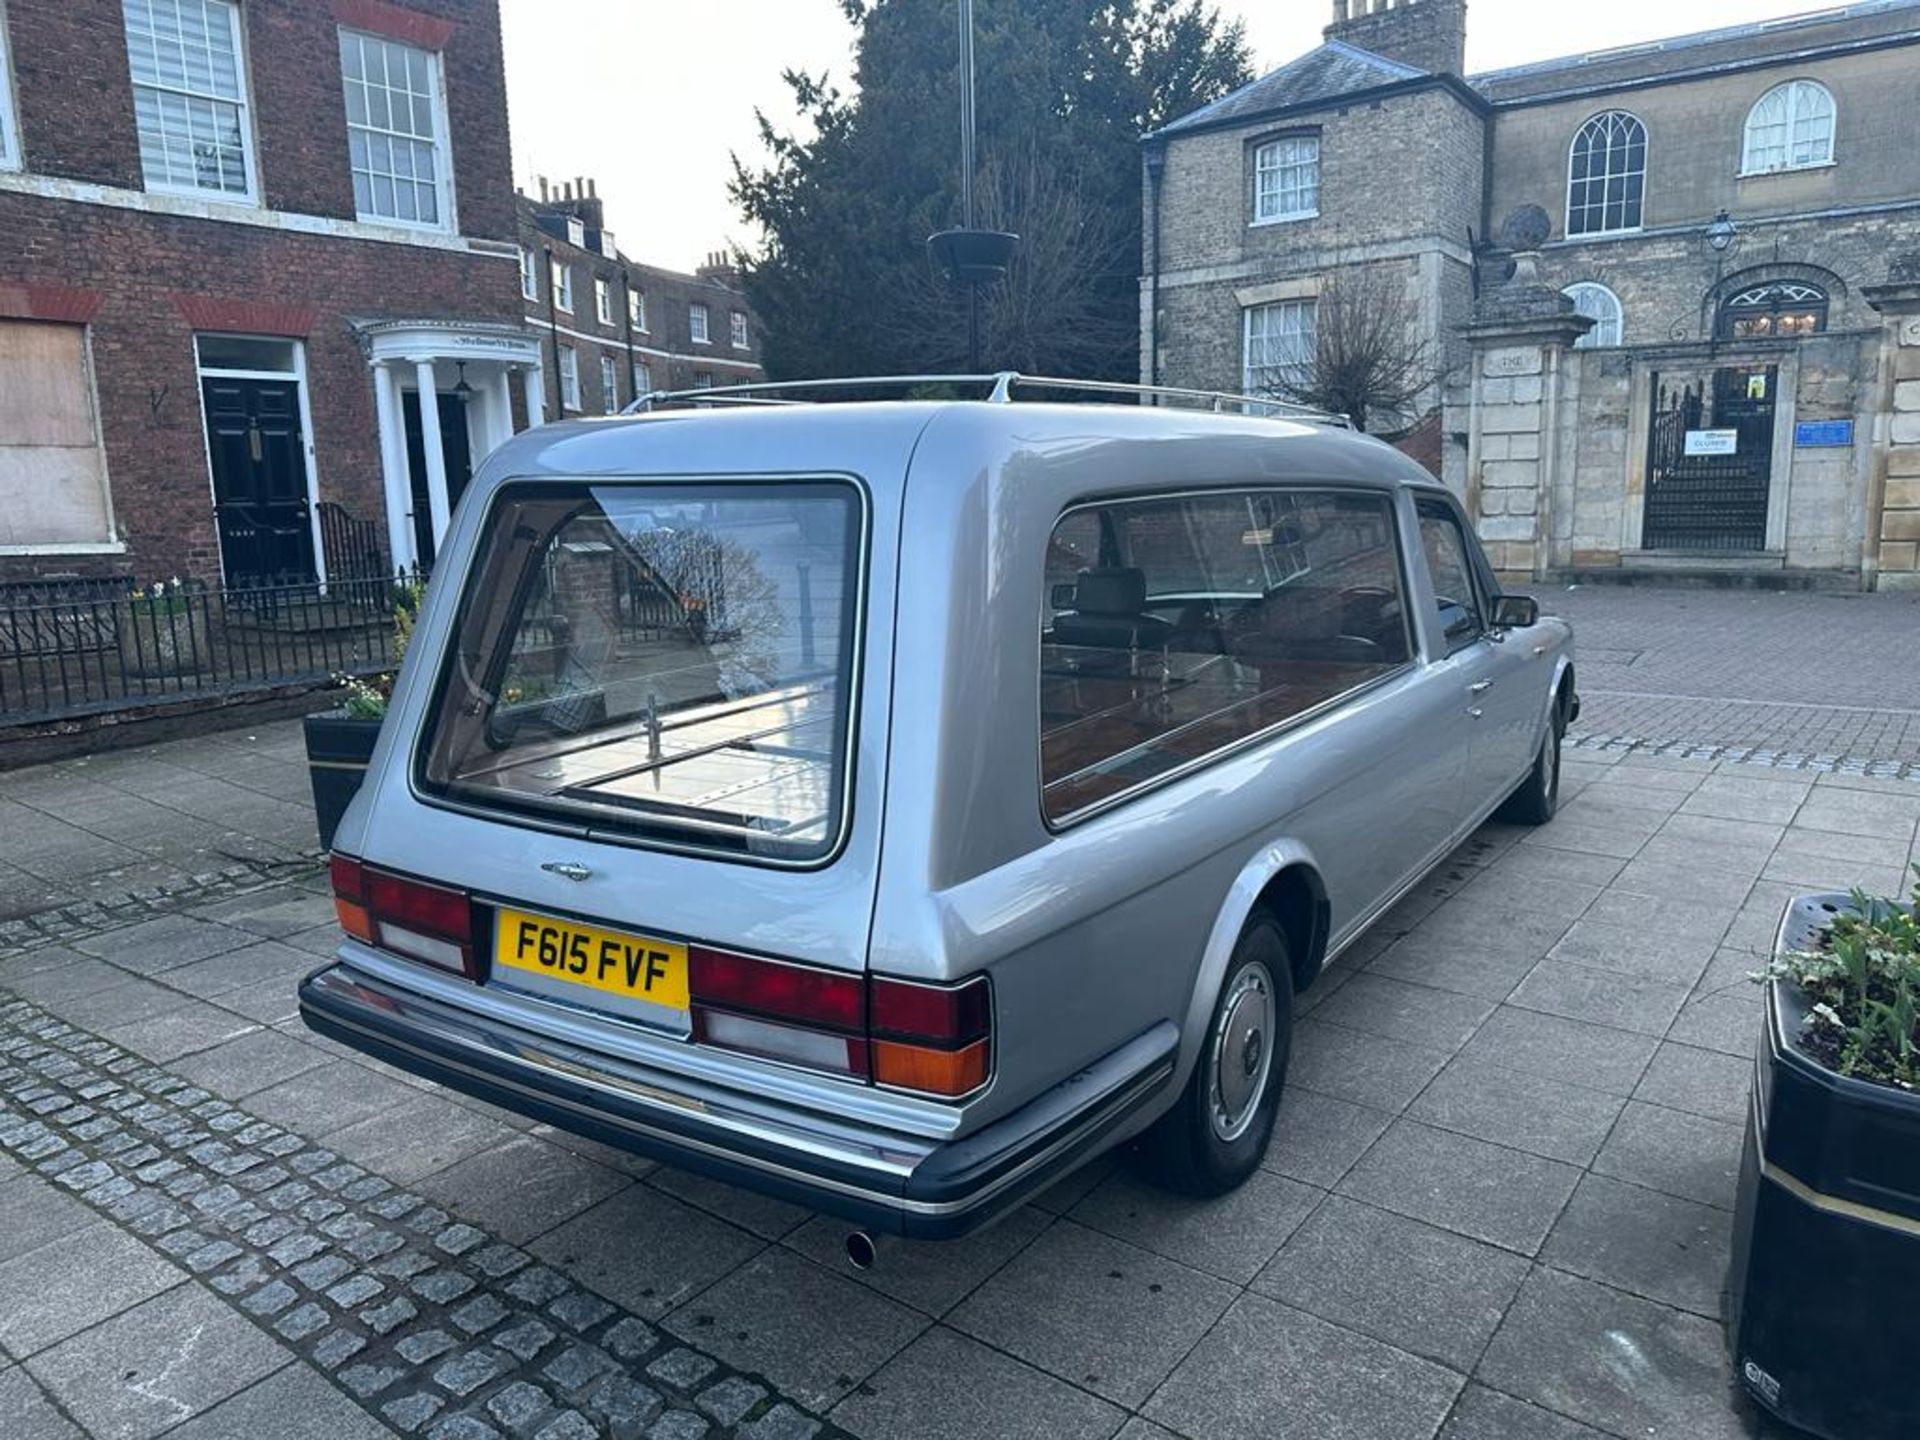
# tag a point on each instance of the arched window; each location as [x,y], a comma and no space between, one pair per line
[1789,128]
[1606,175]
[1782,308]
[1600,305]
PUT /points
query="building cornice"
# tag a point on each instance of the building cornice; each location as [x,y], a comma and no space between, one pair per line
[1257,119]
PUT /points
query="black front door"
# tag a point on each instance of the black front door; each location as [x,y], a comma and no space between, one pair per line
[454,448]
[259,481]
[1710,460]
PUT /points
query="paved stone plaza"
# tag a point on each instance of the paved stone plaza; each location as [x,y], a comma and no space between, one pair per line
[1496,1207]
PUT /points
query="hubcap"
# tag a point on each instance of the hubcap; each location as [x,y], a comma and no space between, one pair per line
[1241,1053]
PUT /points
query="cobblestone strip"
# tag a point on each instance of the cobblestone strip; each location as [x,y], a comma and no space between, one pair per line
[1749,755]
[433,1325]
[69,922]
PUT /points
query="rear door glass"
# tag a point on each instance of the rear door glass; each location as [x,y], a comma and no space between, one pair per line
[669,663]
[1201,620]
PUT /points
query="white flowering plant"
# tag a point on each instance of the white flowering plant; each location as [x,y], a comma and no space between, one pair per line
[162,597]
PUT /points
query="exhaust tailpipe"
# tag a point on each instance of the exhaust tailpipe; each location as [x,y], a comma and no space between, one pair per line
[860,1251]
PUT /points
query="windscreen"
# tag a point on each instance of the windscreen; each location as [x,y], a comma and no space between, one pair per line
[664,662]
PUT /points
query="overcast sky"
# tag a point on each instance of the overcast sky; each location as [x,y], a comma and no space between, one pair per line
[650,97]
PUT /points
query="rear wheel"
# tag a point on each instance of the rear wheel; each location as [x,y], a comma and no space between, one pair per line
[1214,1136]
[1538,797]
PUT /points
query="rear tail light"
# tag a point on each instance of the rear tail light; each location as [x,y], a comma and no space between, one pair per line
[931,1039]
[410,917]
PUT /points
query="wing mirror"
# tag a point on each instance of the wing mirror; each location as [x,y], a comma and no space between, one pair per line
[1515,612]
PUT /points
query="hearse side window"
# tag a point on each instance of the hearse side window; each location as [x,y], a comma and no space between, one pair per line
[666,663]
[1462,617]
[1175,627]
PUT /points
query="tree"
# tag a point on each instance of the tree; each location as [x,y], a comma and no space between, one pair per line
[841,281]
[1369,360]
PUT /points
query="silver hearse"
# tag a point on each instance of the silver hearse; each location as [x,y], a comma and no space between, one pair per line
[891,805]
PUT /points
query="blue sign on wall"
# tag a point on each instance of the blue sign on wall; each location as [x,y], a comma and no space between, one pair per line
[1823,432]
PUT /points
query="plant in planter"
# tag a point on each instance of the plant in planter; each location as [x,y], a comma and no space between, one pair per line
[1821,1312]
[340,741]
[165,630]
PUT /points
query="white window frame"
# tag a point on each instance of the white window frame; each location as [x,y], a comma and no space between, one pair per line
[243,103]
[603,300]
[1274,162]
[560,276]
[11,157]
[569,379]
[609,385]
[737,330]
[637,308]
[703,379]
[1626,176]
[1253,376]
[699,323]
[643,379]
[529,274]
[1800,100]
[442,138]
[1602,306]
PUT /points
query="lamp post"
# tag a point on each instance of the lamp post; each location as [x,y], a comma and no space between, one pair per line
[970,256]
[1721,233]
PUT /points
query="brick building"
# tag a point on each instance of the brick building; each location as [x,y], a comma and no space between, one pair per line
[1661,285]
[611,328]
[238,243]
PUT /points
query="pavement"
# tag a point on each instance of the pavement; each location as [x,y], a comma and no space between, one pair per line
[1496,1208]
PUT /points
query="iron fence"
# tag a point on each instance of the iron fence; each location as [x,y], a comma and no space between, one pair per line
[77,647]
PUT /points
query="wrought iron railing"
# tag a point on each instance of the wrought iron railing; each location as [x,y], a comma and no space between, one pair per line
[94,646]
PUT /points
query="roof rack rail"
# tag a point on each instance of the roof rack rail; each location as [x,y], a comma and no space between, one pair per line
[1002,388]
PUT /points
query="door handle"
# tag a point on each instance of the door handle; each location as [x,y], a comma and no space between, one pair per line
[1479,687]
[1474,712]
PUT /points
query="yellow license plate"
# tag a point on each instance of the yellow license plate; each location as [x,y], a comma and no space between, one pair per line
[636,967]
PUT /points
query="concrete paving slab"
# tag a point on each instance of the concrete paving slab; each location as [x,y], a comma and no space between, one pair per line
[294,1403]
[1674,1152]
[1646,950]
[27,1414]
[1487,1192]
[155,946]
[159,1364]
[178,1031]
[765,1318]
[219,975]
[330,1098]
[647,1251]
[254,1061]
[1484,1414]
[1265,1360]
[1572,1051]
[1624,1365]
[1463,966]
[522,1188]
[1424,1290]
[946,1386]
[419,1136]
[33,1212]
[1516,1108]
[74,1282]
[761,1214]
[1359,1068]
[1396,1010]
[1649,1244]
[1702,1082]
[1098,1313]
[1231,1236]
[1600,997]
[1317,1138]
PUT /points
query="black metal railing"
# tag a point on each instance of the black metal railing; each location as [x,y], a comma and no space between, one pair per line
[92,646]
[354,547]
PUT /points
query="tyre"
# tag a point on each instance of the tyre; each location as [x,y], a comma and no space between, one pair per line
[1538,797]
[1216,1133]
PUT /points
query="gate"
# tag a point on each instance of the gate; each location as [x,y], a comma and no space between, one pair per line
[1714,498]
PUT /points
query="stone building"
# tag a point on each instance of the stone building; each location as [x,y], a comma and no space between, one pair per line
[1657,288]
[239,243]
[611,328]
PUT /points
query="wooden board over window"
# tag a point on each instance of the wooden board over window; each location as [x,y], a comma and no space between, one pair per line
[51,469]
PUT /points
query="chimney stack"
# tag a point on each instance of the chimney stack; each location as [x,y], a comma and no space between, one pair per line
[1430,35]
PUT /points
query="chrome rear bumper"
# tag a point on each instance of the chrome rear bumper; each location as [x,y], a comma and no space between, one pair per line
[904,1184]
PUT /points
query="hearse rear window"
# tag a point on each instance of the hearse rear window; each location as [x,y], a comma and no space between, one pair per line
[660,662]
[1179,626]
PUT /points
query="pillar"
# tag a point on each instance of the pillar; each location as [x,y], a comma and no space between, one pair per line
[1891,558]
[536,396]
[500,402]
[1520,336]
[431,442]
[393,466]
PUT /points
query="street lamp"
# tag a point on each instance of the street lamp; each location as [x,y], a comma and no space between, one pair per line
[970,256]
[1721,233]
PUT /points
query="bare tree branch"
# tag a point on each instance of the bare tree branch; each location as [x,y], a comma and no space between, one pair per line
[1371,359]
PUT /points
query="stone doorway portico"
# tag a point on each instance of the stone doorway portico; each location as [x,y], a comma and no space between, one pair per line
[439,357]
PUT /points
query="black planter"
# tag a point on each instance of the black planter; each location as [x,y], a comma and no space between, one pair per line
[1821,1312]
[338,749]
